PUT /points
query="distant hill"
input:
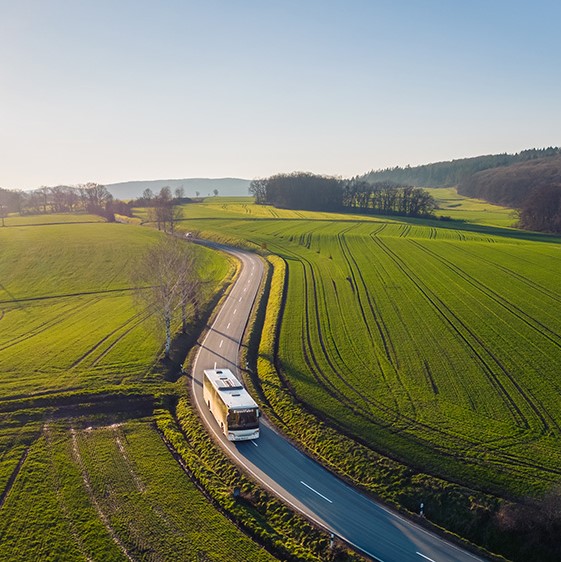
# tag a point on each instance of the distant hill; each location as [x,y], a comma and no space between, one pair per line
[228,187]
[512,185]
[452,172]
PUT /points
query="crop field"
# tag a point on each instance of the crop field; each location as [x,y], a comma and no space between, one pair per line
[112,493]
[436,343]
[476,211]
[60,218]
[67,314]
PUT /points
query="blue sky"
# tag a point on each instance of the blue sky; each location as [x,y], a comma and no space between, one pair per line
[115,90]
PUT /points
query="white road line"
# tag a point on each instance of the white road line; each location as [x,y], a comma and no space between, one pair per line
[315,491]
[235,310]
[425,557]
[221,342]
[254,443]
[245,289]
[228,326]
[215,365]
[240,299]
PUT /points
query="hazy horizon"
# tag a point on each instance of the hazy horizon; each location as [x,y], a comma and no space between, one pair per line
[134,91]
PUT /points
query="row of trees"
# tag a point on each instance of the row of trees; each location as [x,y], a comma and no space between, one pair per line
[90,198]
[323,193]
[163,208]
[388,198]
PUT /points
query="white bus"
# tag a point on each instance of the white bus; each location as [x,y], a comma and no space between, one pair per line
[234,409]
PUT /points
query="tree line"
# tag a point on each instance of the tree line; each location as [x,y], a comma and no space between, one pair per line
[89,198]
[93,198]
[452,172]
[302,190]
[163,208]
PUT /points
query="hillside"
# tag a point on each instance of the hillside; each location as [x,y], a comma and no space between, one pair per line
[227,187]
[511,185]
[452,172]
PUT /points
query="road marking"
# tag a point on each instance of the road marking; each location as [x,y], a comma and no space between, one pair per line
[221,342]
[254,443]
[235,310]
[245,289]
[240,299]
[228,326]
[425,557]
[215,365]
[315,491]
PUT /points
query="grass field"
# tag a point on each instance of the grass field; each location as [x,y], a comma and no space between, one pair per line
[475,211]
[55,218]
[67,315]
[438,343]
[112,493]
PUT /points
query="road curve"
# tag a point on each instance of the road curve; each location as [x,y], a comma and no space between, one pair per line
[300,481]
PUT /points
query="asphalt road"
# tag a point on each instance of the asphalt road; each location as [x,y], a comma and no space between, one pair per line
[300,481]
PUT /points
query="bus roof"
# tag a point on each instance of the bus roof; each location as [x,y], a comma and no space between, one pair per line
[230,389]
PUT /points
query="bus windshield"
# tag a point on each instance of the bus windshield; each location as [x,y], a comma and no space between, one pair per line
[243,419]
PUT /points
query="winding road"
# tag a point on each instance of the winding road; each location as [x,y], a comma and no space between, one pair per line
[300,481]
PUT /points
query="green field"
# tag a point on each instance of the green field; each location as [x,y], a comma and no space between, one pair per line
[475,211]
[112,493]
[438,343]
[67,314]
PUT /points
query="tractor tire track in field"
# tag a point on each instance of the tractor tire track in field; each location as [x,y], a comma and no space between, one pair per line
[511,273]
[392,416]
[87,483]
[67,295]
[310,357]
[518,313]
[96,346]
[391,419]
[141,320]
[383,331]
[473,342]
[60,499]
[11,480]
[458,442]
[530,321]
[48,324]
[510,403]
[129,464]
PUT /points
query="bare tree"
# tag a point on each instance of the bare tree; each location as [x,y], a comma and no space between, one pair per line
[3,212]
[167,280]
